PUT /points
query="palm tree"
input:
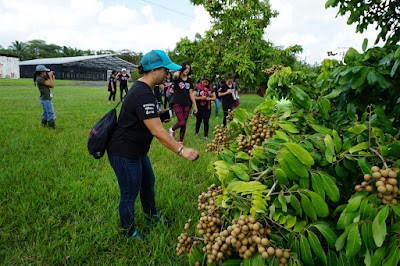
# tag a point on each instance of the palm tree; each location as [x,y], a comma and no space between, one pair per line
[18,48]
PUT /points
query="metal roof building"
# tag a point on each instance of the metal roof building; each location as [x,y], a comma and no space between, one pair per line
[88,67]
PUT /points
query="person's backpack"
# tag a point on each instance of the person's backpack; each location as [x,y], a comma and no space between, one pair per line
[100,134]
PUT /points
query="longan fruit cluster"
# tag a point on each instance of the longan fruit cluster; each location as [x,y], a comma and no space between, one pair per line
[260,130]
[230,116]
[272,69]
[206,200]
[221,137]
[246,237]
[386,184]
[365,184]
[185,241]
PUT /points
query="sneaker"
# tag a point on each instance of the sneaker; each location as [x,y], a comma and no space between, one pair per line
[197,134]
[171,133]
[181,142]
[157,218]
[206,138]
[137,236]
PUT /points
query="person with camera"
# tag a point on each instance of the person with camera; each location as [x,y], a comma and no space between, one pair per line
[228,93]
[44,79]
[138,122]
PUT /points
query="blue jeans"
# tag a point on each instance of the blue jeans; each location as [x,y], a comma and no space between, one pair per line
[48,110]
[134,176]
[217,102]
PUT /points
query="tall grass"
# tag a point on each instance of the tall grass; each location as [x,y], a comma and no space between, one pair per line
[59,206]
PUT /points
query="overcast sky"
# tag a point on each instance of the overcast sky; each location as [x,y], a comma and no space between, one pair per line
[140,25]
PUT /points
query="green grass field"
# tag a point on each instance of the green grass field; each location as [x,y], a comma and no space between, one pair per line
[59,206]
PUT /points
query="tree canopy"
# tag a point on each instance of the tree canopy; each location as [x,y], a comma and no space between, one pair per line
[235,43]
[383,14]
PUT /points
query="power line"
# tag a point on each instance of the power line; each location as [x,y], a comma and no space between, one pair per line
[180,13]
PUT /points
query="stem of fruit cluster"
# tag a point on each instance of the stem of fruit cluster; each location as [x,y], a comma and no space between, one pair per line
[272,188]
[380,156]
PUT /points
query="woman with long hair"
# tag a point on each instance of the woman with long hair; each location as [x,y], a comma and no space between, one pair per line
[182,100]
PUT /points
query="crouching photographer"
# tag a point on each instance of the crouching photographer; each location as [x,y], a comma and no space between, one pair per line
[44,79]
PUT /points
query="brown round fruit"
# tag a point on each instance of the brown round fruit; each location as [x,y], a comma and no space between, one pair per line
[375,169]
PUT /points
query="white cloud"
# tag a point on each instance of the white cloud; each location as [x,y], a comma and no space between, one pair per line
[139,26]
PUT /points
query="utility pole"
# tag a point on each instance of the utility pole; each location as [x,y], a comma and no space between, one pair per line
[344,49]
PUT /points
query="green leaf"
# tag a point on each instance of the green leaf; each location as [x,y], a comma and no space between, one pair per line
[296,205]
[379,226]
[382,81]
[291,221]
[337,141]
[366,234]
[295,165]
[255,260]
[371,77]
[393,257]
[358,129]
[364,165]
[342,238]
[396,210]
[242,155]
[365,44]
[284,165]
[330,187]
[320,206]
[378,256]
[281,176]
[240,172]
[281,135]
[321,129]
[246,187]
[308,207]
[359,147]
[327,232]
[317,184]
[305,249]
[334,93]
[353,204]
[330,149]
[300,153]
[259,204]
[282,201]
[332,259]
[346,219]
[316,246]
[288,127]
[353,242]
[299,227]
[300,97]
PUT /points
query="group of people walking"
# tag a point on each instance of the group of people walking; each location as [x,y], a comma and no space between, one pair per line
[121,77]
[201,97]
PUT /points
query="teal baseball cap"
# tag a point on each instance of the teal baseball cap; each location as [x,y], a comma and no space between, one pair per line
[40,68]
[156,59]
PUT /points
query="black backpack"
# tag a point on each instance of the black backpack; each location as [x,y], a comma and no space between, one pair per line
[100,134]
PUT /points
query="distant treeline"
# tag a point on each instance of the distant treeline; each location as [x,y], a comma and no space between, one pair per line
[40,49]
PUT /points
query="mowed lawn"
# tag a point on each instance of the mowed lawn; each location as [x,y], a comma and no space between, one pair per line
[59,206]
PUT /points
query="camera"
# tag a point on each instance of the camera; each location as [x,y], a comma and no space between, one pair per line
[47,73]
